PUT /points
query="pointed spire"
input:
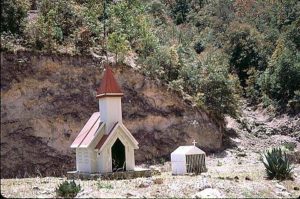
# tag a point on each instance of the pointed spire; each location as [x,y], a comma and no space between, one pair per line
[109,86]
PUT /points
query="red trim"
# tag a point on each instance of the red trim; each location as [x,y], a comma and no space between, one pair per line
[105,95]
[101,142]
[104,137]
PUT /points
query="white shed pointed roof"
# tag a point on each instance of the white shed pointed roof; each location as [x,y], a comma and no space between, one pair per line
[188,150]
[105,139]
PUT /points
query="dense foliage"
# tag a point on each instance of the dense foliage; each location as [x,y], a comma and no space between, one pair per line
[277,164]
[211,51]
[13,14]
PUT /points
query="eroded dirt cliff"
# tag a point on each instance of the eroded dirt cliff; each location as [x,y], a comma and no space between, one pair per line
[46,100]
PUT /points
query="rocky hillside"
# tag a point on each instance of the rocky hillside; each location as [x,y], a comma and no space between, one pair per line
[46,100]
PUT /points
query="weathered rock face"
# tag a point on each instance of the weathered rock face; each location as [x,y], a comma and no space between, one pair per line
[46,100]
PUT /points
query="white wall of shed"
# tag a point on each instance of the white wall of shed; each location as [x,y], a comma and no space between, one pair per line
[178,162]
[129,154]
[93,160]
[104,162]
[82,160]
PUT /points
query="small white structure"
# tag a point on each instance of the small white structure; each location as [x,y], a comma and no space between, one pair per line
[188,159]
[105,144]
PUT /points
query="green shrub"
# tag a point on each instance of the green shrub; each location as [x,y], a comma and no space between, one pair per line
[198,47]
[55,25]
[102,185]
[68,189]
[294,103]
[277,164]
[290,146]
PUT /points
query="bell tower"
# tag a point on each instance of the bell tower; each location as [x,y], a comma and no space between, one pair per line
[109,95]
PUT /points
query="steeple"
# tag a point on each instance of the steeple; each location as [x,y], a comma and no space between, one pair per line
[109,86]
[109,95]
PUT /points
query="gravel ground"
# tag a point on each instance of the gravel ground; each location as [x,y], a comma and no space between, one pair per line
[229,175]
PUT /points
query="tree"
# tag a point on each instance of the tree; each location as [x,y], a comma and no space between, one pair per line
[129,19]
[217,90]
[180,11]
[13,14]
[245,50]
[282,77]
[118,44]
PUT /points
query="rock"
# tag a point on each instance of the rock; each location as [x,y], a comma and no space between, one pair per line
[145,184]
[282,188]
[209,193]
[296,188]
[206,175]
[36,188]
[46,192]
[155,170]
[129,194]
[294,156]
[283,194]
[240,149]
[84,193]
[241,154]
[229,178]
[158,181]
[247,178]
[236,177]
[202,184]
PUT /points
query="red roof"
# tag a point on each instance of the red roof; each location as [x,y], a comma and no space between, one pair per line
[87,134]
[104,137]
[109,86]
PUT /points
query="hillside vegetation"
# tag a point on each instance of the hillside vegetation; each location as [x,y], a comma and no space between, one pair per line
[212,51]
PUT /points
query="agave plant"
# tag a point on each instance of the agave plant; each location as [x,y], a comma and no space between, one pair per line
[68,189]
[277,164]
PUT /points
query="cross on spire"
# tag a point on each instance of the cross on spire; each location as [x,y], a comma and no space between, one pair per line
[194,142]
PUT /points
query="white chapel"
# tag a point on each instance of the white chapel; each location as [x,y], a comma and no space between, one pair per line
[104,144]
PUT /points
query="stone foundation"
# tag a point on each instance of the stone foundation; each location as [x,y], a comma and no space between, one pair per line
[137,173]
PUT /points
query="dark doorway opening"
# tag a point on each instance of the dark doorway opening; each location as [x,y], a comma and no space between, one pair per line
[118,156]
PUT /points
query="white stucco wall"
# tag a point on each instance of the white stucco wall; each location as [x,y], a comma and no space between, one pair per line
[130,164]
[178,162]
[86,160]
[110,111]
[93,160]
[104,161]
[82,160]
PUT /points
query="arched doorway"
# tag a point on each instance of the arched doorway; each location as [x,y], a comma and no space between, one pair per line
[118,156]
